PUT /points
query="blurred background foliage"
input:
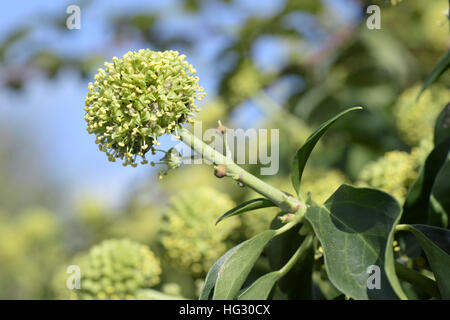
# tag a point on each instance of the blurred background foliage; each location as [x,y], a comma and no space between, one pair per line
[287,64]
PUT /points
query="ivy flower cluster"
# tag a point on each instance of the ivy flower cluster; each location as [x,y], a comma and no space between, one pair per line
[136,99]
[415,118]
[396,170]
[117,269]
[189,236]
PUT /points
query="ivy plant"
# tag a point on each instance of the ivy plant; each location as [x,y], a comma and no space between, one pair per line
[146,94]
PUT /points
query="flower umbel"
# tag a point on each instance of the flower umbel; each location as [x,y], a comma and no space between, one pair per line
[189,236]
[415,119]
[138,98]
[396,170]
[117,269]
[172,159]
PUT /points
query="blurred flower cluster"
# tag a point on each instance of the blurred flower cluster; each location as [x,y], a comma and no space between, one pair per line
[415,117]
[396,170]
[114,269]
[31,249]
[188,232]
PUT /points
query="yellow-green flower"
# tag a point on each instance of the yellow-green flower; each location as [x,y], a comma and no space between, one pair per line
[31,250]
[435,23]
[395,171]
[116,269]
[415,119]
[189,234]
[138,98]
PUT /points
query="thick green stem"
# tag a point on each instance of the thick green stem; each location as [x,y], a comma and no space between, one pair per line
[285,202]
[417,279]
[297,255]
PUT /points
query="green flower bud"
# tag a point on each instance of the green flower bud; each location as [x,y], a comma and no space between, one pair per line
[116,269]
[172,159]
[415,119]
[189,234]
[138,98]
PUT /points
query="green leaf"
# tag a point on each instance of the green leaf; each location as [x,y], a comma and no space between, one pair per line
[233,272]
[413,280]
[440,198]
[416,206]
[442,126]
[297,283]
[261,288]
[355,227]
[213,273]
[323,289]
[436,244]
[438,70]
[249,205]
[302,154]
